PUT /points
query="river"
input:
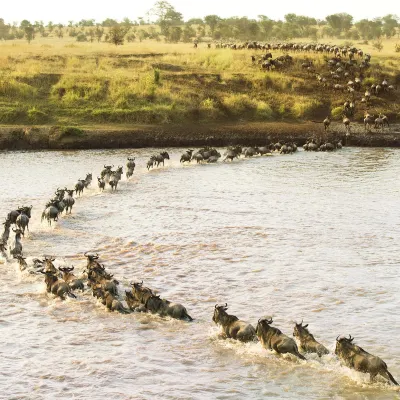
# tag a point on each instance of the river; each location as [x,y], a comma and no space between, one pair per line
[310,236]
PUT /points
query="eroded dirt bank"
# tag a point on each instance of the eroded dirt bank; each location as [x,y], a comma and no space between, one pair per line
[51,137]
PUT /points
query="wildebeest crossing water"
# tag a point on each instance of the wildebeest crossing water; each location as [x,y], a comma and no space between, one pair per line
[300,236]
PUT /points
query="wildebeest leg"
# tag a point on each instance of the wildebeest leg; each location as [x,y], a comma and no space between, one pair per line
[372,376]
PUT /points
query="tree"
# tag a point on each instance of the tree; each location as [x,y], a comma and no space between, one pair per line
[390,23]
[175,34]
[99,31]
[188,33]
[117,34]
[29,33]
[91,34]
[59,31]
[378,45]
[340,22]
[24,23]
[212,21]
[266,25]
[50,26]
[109,22]
[195,21]
[4,29]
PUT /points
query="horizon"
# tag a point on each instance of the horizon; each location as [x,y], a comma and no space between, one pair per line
[44,10]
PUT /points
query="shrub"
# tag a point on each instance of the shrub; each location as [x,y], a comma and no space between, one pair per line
[306,108]
[337,112]
[10,115]
[378,45]
[81,37]
[36,116]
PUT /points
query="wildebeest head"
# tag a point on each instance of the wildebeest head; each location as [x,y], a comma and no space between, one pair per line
[263,325]
[18,233]
[70,192]
[300,330]
[165,155]
[219,312]
[91,257]
[344,346]
[49,266]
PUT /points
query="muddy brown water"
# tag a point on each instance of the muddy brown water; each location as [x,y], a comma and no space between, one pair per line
[310,236]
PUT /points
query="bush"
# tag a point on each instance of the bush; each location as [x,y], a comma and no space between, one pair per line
[378,45]
[10,115]
[36,116]
[81,37]
[337,112]
[306,108]
[71,131]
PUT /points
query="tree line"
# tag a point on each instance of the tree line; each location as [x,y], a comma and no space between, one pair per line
[163,21]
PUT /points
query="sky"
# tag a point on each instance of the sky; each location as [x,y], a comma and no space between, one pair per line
[63,11]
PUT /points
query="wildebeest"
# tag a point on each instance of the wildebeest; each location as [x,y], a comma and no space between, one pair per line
[48,265]
[232,152]
[88,180]
[140,292]
[80,186]
[273,339]
[21,262]
[130,165]
[357,358]
[159,158]
[22,221]
[150,163]
[187,156]
[165,308]
[6,233]
[307,341]
[110,301]
[69,201]
[106,173]
[71,279]
[50,213]
[326,123]
[56,286]
[17,249]
[232,326]
[101,183]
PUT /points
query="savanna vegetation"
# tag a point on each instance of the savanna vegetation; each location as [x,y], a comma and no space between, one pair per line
[134,72]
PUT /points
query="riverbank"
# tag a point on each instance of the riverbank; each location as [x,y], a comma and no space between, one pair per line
[193,135]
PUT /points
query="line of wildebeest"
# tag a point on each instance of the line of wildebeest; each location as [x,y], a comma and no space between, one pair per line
[61,281]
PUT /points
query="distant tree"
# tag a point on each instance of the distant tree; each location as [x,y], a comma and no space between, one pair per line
[390,23]
[99,31]
[109,22]
[50,26]
[188,33]
[91,34]
[130,37]
[29,33]
[212,21]
[117,34]
[59,31]
[340,22]
[70,24]
[4,30]
[142,34]
[127,22]
[195,21]
[266,25]
[175,34]
[24,23]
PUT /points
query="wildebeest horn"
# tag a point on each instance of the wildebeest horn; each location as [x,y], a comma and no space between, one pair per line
[337,338]
[305,326]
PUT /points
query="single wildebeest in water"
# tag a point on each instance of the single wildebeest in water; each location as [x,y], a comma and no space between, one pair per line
[273,339]
[22,221]
[50,213]
[130,165]
[73,282]
[165,308]
[307,341]
[69,201]
[232,326]
[57,286]
[357,358]
[101,183]
[17,249]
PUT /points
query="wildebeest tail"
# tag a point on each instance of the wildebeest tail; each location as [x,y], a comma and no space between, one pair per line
[124,310]
[300,356]
[70,294]
[188,317]
[391,378]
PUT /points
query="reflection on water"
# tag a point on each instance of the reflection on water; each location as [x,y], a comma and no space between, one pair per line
[311,236]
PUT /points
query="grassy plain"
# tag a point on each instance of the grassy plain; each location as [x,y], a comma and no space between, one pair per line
[62,82]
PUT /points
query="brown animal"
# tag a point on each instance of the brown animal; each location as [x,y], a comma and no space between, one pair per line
[232,326]
[357,358]
[307,341]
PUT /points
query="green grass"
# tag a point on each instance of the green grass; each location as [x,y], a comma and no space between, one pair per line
[70,84]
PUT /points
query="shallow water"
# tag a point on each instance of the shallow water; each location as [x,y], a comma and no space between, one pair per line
[310,236]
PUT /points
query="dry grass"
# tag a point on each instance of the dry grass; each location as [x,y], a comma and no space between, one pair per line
[60,81]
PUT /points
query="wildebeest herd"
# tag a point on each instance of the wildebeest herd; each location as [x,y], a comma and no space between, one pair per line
[344,70]
[62,282]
